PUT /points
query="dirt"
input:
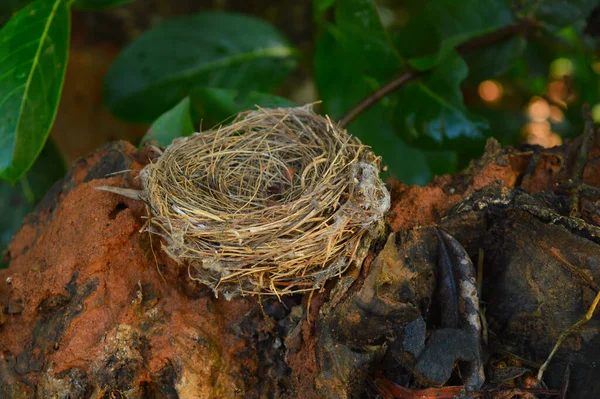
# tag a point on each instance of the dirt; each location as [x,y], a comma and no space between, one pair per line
[92,308]
[89,286]
[303,363]
[422,206]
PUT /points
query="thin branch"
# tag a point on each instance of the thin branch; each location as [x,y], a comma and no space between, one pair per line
[378,94]
[395,84]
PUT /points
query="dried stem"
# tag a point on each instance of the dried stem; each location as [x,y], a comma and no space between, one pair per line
[566,333]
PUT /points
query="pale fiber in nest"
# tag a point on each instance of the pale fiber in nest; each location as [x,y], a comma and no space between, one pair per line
[275,203]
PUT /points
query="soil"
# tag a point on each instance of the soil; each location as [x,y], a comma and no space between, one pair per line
[92,308]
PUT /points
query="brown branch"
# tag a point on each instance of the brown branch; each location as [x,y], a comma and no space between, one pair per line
[378,94]
[521,27]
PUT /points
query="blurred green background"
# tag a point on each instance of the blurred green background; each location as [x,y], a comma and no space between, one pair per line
[518,71]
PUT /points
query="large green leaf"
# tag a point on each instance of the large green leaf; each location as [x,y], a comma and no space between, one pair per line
[442,25]
[19,200]
[33,57]
[212,50]
[176,122]
[430,112]
[98,4]
[217,105]
[363,39]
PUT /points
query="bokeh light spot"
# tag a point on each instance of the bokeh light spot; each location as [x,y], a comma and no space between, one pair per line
[490,91]
[540,133]
[538,109]
[561,67]
[556,114]
[558,92]
[596,113]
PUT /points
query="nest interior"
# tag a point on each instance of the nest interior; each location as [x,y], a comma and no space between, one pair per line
[276,202]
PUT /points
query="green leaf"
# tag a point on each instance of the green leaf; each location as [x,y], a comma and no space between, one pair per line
[176,122]
[407,164]
[320,7]
[506,124]
[557,14]
[19,200]
[430,112]
[434,33]
[493,61]
[98,4]
[375,54]
[216,105]
[210,50]
[352,59]
[442,162]
[9,7]
[33,57]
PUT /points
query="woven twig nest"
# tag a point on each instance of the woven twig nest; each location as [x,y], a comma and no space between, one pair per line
[276,202]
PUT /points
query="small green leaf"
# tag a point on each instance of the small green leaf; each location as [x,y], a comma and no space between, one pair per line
[430,112]
[442,25]
[33,57]
[210,50]
[216,105]
[18,201]
[176,122]
[98,4]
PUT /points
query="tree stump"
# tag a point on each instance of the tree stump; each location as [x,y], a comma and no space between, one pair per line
[92,308]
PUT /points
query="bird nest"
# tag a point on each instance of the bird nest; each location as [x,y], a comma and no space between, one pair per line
[277,202]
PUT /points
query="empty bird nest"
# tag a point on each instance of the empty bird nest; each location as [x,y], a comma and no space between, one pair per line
[276,202]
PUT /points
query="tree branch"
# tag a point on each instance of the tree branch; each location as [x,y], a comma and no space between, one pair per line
[521,27]
[378,94]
